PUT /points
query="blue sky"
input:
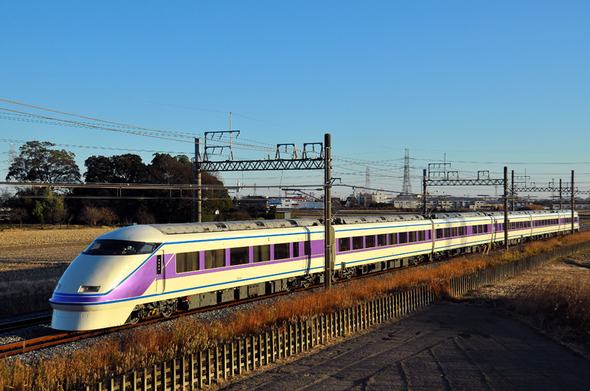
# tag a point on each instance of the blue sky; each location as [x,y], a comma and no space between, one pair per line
[488,83]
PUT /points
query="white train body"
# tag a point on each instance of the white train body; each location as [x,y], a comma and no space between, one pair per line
[143,270]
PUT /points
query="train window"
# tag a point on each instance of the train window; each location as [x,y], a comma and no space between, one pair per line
[439,233]
[343,244]
[187,262]
[454,231]
[382,240]
[120,247]
[357,242]
[421,236]
[239,255]
[370,241]
[412,237]
[392,239]
[214,258]
[447,232]
[307,248]
[296,250]
[461,231]
[261,253]
[282,251]
[403,237]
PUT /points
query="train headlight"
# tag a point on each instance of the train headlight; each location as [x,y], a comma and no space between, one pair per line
[88,289]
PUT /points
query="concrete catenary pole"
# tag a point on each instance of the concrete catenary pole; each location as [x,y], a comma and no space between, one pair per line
[573,204]
[512,193]
[198,161]
[506,222]
[424,193]
[329,233]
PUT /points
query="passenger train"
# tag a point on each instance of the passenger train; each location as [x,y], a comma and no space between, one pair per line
[142,270]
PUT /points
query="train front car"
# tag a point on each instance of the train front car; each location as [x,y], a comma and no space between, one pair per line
[101,285]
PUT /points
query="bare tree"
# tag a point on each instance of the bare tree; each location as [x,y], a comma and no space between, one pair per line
[18,214]
[91,215]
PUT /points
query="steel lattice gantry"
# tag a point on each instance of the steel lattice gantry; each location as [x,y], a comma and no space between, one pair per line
[264,164]
[464,182]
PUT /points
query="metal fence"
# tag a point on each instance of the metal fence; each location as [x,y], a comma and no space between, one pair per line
[226,360]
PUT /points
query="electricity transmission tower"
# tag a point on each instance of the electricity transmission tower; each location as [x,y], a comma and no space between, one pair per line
[407,186]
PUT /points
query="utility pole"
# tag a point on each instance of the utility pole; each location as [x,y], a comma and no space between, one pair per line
[329,231]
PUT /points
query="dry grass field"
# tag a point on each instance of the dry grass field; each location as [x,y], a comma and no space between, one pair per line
[26,248]
[33,260]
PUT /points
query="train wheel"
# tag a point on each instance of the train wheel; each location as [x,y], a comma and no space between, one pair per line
[168,308]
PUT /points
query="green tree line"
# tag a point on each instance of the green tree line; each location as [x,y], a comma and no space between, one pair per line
[39,162]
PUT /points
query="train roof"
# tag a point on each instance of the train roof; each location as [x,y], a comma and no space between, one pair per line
[376,219]
[189,228]
[456,215]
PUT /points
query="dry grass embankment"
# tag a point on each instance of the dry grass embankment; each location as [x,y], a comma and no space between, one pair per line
[148,346]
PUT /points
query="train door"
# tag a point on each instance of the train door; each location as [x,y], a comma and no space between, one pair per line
[494,229]
[160,272]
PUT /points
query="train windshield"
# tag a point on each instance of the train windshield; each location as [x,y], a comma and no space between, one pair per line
[120,247]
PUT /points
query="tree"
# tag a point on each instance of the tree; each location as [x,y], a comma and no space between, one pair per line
[99,169]
[18,214]
[91,215]
[38,163]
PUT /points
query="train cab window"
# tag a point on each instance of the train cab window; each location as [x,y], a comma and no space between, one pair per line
[370,241]
[382,240]
[343,244]
[214,258]
[412,236]
[421,236]
[282,251]
[357,242]
[261,253]
[187,262]
[403,237]
[392,239]
[120,247]
[239,255]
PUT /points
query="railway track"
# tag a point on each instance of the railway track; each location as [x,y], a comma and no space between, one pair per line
[59,338]
[37,320]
